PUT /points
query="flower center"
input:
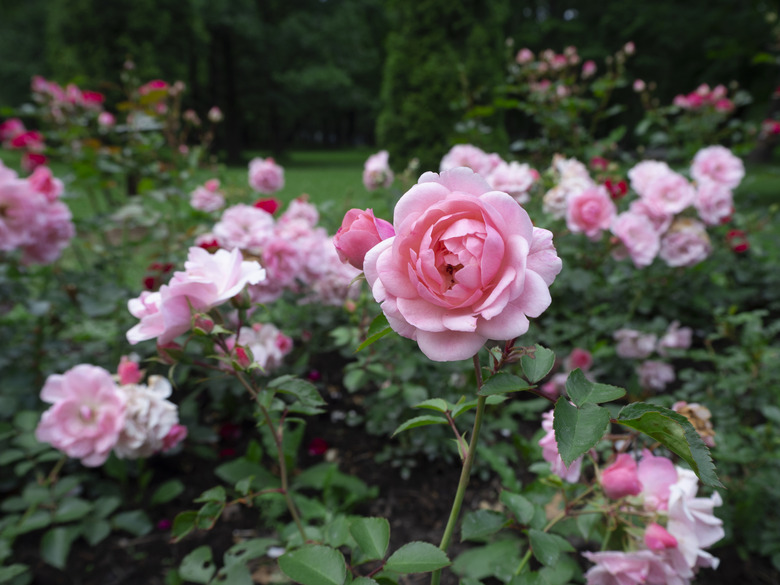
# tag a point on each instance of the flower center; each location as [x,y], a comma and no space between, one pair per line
[86,413]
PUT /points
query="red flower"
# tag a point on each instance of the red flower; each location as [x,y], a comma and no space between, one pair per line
[271,204]
[317,446]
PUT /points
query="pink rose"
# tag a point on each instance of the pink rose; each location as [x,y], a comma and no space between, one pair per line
[265,175]
[620,479]
[657,475]
[245,227]
[714,202]
[639,237]
[676,337]
[206,199]
[106,119]
[377,172]
[646,172]
[10,129]
[466,265]
[655,375]
[621,568]
[45,183]
[86,416]
[639,85]
[175,436]
[468,155]
[31,140]
[513,178]
[129,371]
[634,344]
[660,219]
[669,192]
[588,69]
[524,56]
[685,244]
[657,538]
[718,164]
[359,232]
[52,235]
[579,358]
[590,212]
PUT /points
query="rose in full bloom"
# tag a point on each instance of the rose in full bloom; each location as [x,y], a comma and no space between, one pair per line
[86,416]
[514,178]
[657,475]
[265,175]
[359,232]
[718,163]
[620,479]
[634,344]
[377,172]
[670,192]
[685,244]
[655,375]
[207,197]
[676,337]
[714,202]
[207,281]
[590,212]
[473,157]
[466,265]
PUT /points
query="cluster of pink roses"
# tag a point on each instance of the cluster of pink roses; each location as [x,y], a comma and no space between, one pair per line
[207,197]
[296,254]
[32,217]
[653,374]
[513,177]
[651,226]
[462,264]
[663,494]
[704,97]
[265,176]
[93,413]
[377,172]
[14,136]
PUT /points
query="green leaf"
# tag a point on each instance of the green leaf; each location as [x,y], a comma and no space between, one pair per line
[377,330]
[105,505]
[12,571]
[582,391]
[434,404]
[372,536]
[36,520]
[314,565]
[183,524]
[577,430]
[420,421]
[234,575]
[135,522]
[548,547]
[466,406]
[215,494]
[539,365]
[234,471]
[248,550]
[94,531]
[72,509]
[10,456]
[167,492]
[198,566]
[481,524]
[676,433]
[497,559]
[364,581]
[520,506]
[55,545]
[503,383]
[417,557]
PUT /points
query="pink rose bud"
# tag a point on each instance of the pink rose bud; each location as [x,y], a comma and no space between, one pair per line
[243,357]
[203,323]
[106,119]
[658,539]
[639,85]
[620,479]
[579,358]
[359,232]
[175,436]
[129,371]
[212,185]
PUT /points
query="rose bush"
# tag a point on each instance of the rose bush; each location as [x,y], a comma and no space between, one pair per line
[466,265]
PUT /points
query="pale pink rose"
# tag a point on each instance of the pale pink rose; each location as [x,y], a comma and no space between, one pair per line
[461,268]
[676,337]
[570,168]
[21,217]
[7,174]
[669,192]
[588,69]
[714,202]
[556,200]
[660,219]
[52,235]
[265,175]
[205,199]
[692,521]
[641,567]
[245,227]
[377,172]
[562,91]
[620,479]
[268,345]
[359,232]
[646,172]
[283,260]
[639,85]
[215,115]
[579,359]
[629,48]
[657,475]
[207,281]
[302,212]
[45,183]
[332,286]
[634,344]
[718,163]
[106,119]
[86,416]
[639,237]
[686,243]
[590,212]
[655,375]
[550,452]
[513,178]
[524,56]
[468,155]
[149,418]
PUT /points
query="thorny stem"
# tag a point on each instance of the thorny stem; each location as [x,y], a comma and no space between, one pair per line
[464,474]
[277,435]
